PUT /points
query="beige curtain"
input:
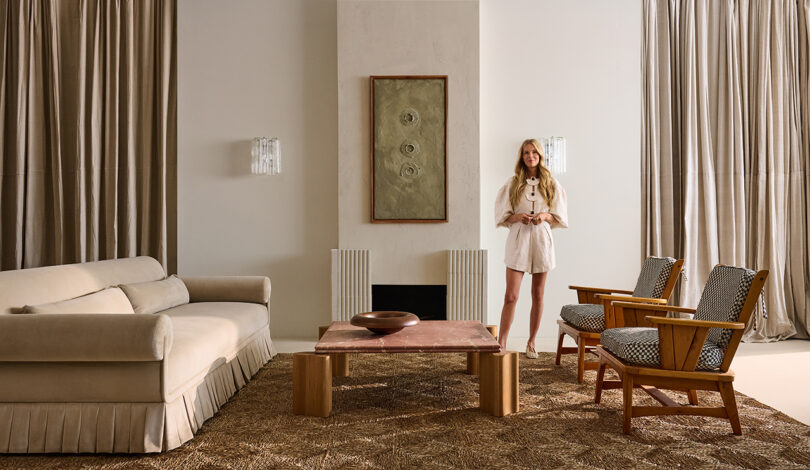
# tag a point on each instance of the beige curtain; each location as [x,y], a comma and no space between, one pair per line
[725,147]
[802,315]
[88,107]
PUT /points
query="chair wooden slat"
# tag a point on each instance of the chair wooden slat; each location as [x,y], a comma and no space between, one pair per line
[610,313]
[679,410]
[682,337]
[666,346]
[695,348]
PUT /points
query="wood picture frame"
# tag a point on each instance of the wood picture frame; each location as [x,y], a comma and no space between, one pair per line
[408,155]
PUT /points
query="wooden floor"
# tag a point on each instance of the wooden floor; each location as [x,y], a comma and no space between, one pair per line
[765,371]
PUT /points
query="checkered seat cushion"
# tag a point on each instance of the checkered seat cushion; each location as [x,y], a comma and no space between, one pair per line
[585,317]
[640,346]
[653,277]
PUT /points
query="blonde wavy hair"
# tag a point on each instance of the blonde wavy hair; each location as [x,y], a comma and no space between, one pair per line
[546,186]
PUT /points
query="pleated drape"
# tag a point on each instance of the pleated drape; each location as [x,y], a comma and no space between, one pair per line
[88,107]
[725,147]
[801,245]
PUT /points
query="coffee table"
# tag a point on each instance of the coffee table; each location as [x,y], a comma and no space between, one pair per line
[313,371]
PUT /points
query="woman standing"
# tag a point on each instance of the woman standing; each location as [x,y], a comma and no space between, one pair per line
[530,204]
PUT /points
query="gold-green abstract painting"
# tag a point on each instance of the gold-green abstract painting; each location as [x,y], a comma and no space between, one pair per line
[409,149]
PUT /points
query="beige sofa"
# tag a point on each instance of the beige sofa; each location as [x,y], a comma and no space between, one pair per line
[133,382]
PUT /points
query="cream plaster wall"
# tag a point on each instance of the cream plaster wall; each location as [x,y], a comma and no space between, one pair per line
[569,68]
[396,37]
[270,67]
[259,68]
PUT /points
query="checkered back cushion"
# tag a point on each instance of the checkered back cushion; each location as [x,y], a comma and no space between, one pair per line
[653,278]
[723,299]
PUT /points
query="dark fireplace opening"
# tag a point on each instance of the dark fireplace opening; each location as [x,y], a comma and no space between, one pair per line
[428,302]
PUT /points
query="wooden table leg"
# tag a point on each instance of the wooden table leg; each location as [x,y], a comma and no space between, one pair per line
[340,361]
[493,330]
[472,363]
[340,364]
[312,384]
[322,330]
[472,357]
[499,393]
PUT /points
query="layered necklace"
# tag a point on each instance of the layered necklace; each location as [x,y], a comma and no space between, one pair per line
[533,194]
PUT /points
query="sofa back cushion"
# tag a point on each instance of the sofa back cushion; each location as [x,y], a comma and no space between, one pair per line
[110,300]
[50,284]
[156,296]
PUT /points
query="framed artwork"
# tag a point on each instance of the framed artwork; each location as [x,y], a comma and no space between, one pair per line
[409,149]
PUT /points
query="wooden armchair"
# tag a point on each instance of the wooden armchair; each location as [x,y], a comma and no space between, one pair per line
[682,354]
[594,313]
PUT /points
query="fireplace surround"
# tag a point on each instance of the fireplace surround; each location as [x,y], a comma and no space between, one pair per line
[465,288]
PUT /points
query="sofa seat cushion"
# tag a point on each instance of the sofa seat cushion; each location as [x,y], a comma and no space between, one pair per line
[585,317]
[640,346]
[208,334]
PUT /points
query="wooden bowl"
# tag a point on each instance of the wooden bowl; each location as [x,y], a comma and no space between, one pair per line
[385,322]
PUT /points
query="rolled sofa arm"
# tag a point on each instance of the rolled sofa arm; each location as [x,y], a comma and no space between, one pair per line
[252,289]
[104,337]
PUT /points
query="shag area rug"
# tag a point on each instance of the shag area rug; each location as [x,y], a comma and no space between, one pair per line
[420,411]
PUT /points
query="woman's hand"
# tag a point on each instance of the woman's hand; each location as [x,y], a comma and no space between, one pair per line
[523,218]
[542,217]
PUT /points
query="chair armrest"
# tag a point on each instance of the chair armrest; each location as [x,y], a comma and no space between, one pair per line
[696,323]
[625,298]
[636,314]
[587,295]
[67,337]
[602,290]
[251,289]
[657,308]
[615,317]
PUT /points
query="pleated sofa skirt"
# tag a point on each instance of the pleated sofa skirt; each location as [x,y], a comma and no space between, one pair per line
[130,427]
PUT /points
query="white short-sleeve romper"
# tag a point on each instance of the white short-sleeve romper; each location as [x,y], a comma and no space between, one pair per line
[529,247]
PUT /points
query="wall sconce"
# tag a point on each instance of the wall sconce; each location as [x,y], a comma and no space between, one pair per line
[265,156]
[554,152]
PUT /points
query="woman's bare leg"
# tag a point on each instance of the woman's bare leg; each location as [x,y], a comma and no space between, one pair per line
[538,288]
[513,279]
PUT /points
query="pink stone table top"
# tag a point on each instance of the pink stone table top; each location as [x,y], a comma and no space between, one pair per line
[426,336]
